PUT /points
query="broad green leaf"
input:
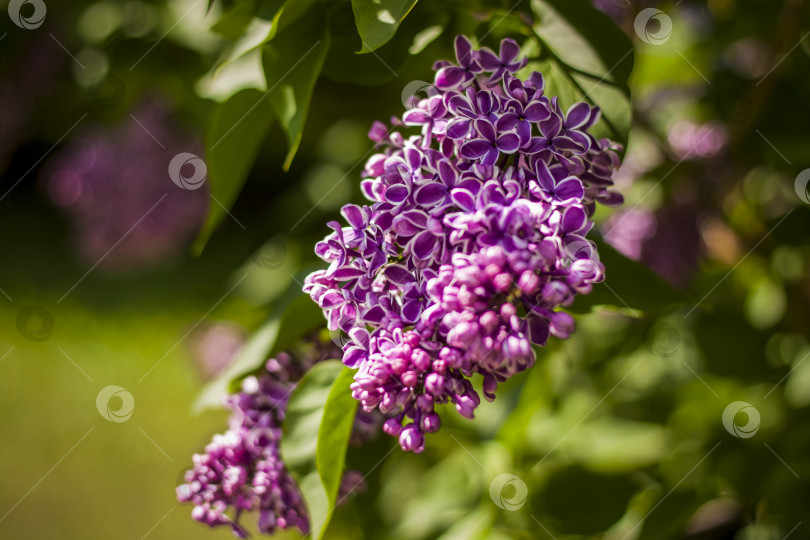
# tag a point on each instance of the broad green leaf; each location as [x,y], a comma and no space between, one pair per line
[335,432]
[591,60]
[377,20]
[289,12]
[584,39]
[572,87]
[317,426]
[629,284]
[345,65]
[235,132]
[292,61]
[235,20]
[291,320]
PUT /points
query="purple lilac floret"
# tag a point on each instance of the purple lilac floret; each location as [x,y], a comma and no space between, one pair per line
[474,239]
[242,469]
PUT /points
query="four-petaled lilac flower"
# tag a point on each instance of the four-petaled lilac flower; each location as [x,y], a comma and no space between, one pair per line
[451,76]
[491,142]
[505,62]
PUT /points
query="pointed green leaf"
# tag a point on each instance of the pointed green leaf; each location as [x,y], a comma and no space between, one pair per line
[235,20]
[335,432]
[317,427]
[584,39]
[292,61]
[591,61]
[377,20]
[235,132]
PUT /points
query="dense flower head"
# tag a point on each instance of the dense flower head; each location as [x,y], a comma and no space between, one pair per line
[242,469]
[474,237]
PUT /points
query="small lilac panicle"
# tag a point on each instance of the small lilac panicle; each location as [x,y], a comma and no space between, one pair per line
[242,470]
[474,238]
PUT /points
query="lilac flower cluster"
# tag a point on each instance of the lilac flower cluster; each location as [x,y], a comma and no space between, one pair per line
[111,183]
[475,236]
[242,470]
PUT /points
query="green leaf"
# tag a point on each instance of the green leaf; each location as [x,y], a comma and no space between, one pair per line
[233,137]
[335,432]
[235,20]
[584,39]
[292,61]
[343,64]
[291,320]
[591,60]
[317,427]
[629,284]
[288,13]
[377,20]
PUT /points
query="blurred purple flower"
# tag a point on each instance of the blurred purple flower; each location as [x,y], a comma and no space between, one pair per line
[112,184]
[214,346]
[689,140]
[627,230]
[667,240]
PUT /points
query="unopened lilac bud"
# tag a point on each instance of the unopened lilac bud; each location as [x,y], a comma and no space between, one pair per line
[508,311]
[529,282]
[562,324]
[378,132]
[554,292]
[398,365]
[431,423]
[490,385]
[462,333]
[410,378]
[465,407]
[489,320]
[439,366]
[502,282]
[425,403]
[387,404]
[411,439]
[420,359]
[434,384]
[392,427]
